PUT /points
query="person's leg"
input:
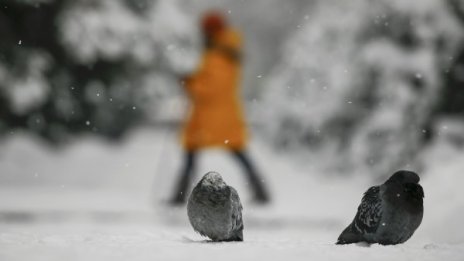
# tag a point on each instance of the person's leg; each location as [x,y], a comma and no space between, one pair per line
[182,188]
[260,193]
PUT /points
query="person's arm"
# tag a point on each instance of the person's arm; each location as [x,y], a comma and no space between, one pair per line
[232,53]
[194,83]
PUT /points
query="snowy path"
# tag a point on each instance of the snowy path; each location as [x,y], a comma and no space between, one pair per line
[128,242]
[98,201]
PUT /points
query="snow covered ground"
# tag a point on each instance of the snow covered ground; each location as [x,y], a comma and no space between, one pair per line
[95,200]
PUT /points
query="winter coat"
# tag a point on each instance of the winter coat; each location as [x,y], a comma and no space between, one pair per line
[216,117]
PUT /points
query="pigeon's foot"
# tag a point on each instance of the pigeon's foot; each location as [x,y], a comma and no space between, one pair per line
[233,239]
[363,244]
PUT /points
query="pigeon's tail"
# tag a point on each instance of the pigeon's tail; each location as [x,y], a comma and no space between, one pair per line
[237,237]
[347,237]
[342,241]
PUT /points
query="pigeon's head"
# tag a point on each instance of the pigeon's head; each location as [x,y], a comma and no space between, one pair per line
[404,176]
[212,179]
[414,191]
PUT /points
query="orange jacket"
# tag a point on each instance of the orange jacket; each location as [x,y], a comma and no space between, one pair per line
[216,117]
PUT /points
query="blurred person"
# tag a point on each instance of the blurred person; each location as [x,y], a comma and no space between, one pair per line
[216,118]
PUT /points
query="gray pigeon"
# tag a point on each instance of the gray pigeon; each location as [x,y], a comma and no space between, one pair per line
[388,214]
[214,209]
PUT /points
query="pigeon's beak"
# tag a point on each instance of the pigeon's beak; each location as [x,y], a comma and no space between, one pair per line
[414,189]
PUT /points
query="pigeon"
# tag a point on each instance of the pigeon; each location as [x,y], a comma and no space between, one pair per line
[388,214]
[214,209]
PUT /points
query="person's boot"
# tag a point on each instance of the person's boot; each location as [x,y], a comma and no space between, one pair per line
[261,195]
[181,191]
[182,188]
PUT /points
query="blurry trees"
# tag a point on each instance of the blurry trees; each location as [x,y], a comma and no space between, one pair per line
[69,66]
[360,82]
[452,101]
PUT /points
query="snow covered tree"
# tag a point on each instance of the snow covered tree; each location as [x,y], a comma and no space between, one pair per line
[359,82]
[452,101]
[90,65]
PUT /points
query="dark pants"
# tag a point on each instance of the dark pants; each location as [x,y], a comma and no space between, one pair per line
[183,186]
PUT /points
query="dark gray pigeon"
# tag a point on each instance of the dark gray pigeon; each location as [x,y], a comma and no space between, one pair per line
[388,214]
[214,209]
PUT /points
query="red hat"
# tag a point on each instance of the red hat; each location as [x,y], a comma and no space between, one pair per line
[213,22]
